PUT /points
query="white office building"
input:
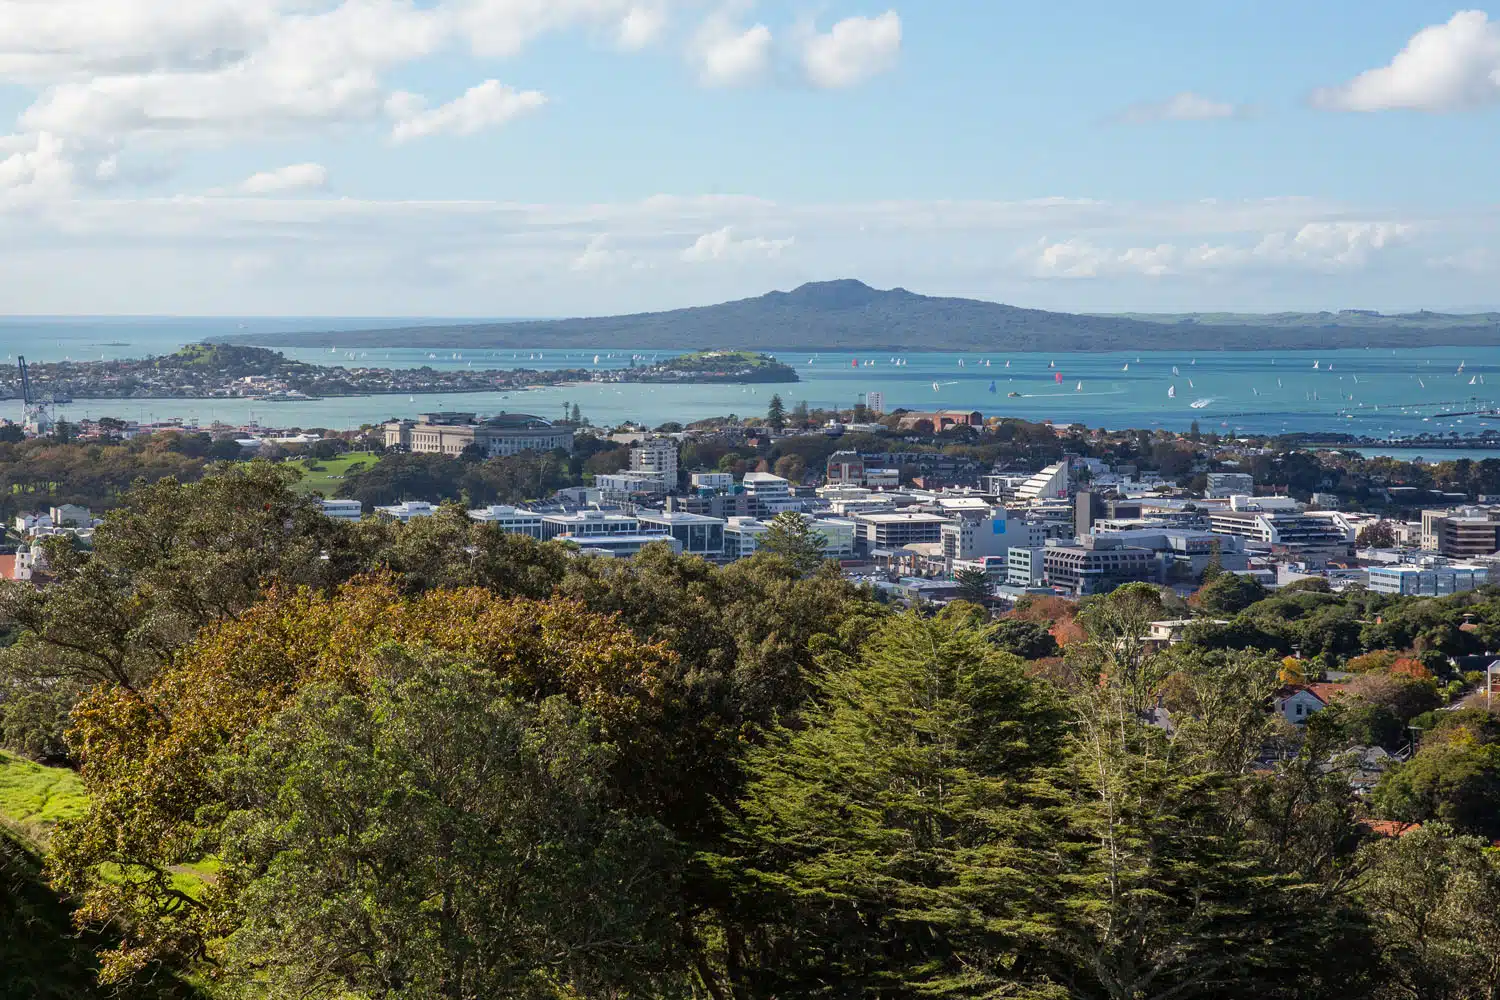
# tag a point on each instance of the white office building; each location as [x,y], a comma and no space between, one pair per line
[875,402]
[765,486]
[404,512]
[343,510]
[1049,484]
[1223,485]
[588,524]
[511,520]
[620,546]
[713,480]
[742,536]
[993,536]
[1025,565]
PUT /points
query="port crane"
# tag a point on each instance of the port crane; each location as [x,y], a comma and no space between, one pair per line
[36,411]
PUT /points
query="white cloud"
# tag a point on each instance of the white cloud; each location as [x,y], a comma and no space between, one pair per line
[285,180]
[33,167]
[599,256]
[1315,246]
[726,56]
[1444,67]
[854,50]
[641,26]
[483,106]
[721,245]
[1184,107]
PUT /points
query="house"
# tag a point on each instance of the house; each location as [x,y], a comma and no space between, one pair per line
[1296,703]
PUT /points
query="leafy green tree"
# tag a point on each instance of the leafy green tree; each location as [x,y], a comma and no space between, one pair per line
[440,838]
[792,537]
[1117,647]
[1228,594]
[973,586]
[800,414]
[175,558]
[1027,639]
[1431,894]
[776,413]
[1453,779]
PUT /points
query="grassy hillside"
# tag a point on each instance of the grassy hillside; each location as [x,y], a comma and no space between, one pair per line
[325,476]
[849,315]
[42,956]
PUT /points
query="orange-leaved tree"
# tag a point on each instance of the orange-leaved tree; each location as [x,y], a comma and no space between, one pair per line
[149,755]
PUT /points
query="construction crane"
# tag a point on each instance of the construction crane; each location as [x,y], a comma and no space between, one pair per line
[36,412]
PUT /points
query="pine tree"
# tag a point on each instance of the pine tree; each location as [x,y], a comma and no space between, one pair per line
[879,840]
[791,536]
[973,586]
[776,414]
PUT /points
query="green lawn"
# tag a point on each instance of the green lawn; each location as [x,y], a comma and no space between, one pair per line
[330,474]
[34,797]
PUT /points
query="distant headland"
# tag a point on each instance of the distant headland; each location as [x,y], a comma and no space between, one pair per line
[850,315]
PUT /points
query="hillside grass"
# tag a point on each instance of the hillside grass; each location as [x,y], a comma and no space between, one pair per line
[42,955]
[331,473]
[34,797]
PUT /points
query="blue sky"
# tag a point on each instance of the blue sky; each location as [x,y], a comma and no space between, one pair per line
[554,157]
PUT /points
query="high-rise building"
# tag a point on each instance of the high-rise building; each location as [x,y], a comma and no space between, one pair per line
[655,456]
[875,402]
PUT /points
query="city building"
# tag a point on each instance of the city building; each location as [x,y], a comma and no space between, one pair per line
[875,402]
[765,486]
[404,512]
[1426,581]
[1025,566]
[698,534]
[620,545]
[1288,531]
[588,523]
[1223,485]
[511,520]
[1049,484]
[1098,565]
[742,536]
[616,486]
[846,468]
[449,433]
[712,480]
[893,530]
[966,539]
[655,457]
[343,510]
[1462,531]
[882,479]
[944,419]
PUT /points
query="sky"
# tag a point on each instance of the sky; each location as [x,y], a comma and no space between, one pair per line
[587,157]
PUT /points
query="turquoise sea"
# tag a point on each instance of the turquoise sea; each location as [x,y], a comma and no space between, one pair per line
[1375,392]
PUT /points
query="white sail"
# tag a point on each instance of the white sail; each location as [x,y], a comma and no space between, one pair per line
[1172,392]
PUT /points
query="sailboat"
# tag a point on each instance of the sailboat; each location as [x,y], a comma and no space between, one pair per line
[1057,377]
[1052,364]
[1007,364]
[1078,387]
[596,359]
[1171,392]
[1473,379]
[1190,383]
[1175,371]
[1316,366]
[960,362]
[1461,367]
[1126,367]
[1421,383]
[992,387]
[1278,383]
[1254,391]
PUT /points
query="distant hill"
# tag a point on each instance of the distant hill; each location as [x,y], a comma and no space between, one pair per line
[850,315]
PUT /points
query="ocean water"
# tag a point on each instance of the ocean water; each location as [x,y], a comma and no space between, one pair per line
[1376,392]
